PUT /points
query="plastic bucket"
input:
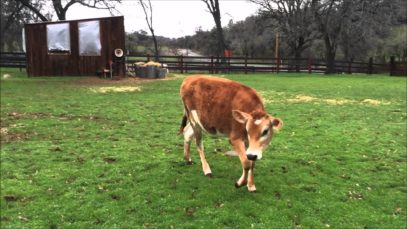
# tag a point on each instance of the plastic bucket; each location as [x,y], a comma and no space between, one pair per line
[161,73]
[141,71]
[150,72]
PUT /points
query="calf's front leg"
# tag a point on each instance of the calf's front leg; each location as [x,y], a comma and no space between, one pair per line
[250,183]
[247,177]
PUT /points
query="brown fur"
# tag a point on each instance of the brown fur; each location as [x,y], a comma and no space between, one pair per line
[215,98]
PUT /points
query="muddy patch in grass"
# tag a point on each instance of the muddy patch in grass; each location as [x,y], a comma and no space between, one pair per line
[11,137]
[109,160]
[12,127]
[37,115]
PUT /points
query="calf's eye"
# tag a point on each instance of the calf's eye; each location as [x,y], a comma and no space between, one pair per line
[265,132]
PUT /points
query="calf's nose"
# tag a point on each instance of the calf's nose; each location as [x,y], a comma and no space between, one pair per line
[251,157]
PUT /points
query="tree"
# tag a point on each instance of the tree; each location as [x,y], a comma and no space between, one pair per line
[36,7]
[351,24]
[295,21]
[204,41]
[60,9]
[368,24]
[330,17]
[15,13]
[13,16]
[395,44]
[148,12]
[213,7]
[252,36]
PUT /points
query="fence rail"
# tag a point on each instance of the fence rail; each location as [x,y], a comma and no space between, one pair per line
[13,59]
[213,64]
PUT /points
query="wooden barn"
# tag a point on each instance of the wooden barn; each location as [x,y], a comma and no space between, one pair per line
[86,47]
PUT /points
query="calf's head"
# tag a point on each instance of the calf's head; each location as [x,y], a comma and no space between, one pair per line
[259,128]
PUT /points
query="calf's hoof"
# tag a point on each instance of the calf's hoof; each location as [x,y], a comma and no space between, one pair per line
[237,185]
[251,188]
[189,163]
[209,175]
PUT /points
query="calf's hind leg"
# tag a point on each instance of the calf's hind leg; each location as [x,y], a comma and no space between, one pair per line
[188,135]
[205,166]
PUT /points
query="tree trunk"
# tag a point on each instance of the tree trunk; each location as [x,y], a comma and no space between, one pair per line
[297,60]
[220,36]
[330,63]
[330,52]
[149,20]
[62,16]
[157,57]
[213,7]
[61,13]
[298,53]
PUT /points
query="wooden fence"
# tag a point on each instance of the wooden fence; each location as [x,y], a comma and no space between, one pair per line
[13,59]
[397,68]
[211,64]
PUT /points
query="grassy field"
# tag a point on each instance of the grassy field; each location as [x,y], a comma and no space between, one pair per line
[93,153]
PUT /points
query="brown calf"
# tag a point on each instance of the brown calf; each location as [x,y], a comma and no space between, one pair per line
[222,106]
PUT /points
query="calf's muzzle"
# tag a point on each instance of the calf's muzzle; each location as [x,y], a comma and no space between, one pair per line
[251,157]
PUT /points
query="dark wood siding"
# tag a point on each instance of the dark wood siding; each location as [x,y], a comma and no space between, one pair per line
[41,63]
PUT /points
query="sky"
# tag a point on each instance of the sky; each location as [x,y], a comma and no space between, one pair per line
[171,18]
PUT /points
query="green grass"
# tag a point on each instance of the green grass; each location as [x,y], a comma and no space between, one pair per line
[75,158]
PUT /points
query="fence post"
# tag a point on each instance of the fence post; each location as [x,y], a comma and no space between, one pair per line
[297,64]
[185,64]
[350,67]
[217,65]
[392,65]
[370,66]
[228,61]
[182,63]
[278,64]
[309,65]
[148,57]
[245,64]
[211,68]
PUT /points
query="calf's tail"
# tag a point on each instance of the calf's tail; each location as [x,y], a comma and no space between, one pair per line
[183,123]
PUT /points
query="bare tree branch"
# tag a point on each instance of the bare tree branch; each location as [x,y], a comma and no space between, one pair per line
[61,9]
[294,20]
[29,5]
[149,19]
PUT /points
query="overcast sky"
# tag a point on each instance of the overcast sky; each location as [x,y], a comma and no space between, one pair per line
[171,18]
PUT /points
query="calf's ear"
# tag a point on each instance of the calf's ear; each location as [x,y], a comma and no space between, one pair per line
[240,116]
[277,123]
